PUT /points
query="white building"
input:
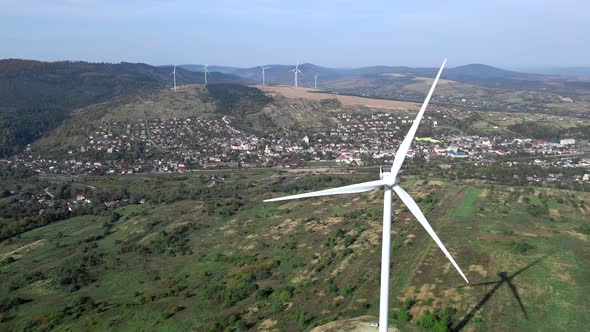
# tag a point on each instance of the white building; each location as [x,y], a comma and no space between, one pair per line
[568,141]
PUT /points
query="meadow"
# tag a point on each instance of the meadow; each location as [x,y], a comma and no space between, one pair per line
[204,253]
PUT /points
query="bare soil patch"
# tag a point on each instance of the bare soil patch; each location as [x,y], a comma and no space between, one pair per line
[311,94]
[358,324]
[479,269]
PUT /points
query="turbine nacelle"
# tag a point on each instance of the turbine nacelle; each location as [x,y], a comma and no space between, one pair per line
[388,178]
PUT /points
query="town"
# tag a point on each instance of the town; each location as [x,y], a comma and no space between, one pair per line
[185,144]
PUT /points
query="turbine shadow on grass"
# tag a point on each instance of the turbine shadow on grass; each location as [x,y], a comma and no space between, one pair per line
[504,279]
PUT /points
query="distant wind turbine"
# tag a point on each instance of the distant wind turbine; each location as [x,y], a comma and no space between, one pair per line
[206,72]
[315,81]
[388,180]
[174,74]
[295,72]
[263,79]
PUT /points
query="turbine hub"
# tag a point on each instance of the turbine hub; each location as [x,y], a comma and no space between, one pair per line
[387,176]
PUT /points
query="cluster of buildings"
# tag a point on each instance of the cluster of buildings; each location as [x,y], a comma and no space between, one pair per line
[183,144]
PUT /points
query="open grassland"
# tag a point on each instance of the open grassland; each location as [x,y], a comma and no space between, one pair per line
[467,207]
[203,253]
[188,101]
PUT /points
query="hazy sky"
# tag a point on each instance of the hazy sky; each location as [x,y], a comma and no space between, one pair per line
[342,33]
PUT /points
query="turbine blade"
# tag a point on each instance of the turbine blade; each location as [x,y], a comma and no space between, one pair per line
[485,283]
[517,296]
[526,267]
[351,189]
[400,155]
[411,204]
[177,74]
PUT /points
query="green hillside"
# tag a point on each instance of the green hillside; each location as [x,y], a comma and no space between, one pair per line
[249,109]
[36,97]
[204,253]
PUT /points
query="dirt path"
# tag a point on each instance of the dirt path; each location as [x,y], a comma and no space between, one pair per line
[27,247]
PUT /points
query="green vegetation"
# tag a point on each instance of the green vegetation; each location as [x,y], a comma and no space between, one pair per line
[534,130]
[440,321]
[38,96]
[180,261]
[467,206]
[237,100]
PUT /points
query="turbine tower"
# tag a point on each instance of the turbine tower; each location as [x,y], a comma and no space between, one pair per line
[295,72]
[174,74]
[315,81]
[263,79]
[388,180]
[206,72]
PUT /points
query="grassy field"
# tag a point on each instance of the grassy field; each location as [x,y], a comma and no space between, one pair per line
[205,254]
[467,207]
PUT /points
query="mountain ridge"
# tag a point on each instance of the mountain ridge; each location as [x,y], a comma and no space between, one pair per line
[36,96]
[470,73]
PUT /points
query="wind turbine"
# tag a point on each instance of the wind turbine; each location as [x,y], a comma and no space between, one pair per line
[263,80]
[295,72]
[206,72]
[388,180]
[174,74]
[315,81]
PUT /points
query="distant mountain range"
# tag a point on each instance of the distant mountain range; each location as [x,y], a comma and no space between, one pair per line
[279,74]
[566,72]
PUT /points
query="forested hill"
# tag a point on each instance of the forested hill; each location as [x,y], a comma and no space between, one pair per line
[37,96]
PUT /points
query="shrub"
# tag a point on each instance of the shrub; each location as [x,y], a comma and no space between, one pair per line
[346,252]
[173,310]
[264,292]
[232,295]
[521,247]
[585,229]
[303,319]
[9,303]
[440,320]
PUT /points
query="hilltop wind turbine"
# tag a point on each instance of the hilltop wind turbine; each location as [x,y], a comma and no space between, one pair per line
[295,72]
[263,79]
[388,180]
[206,72]
[174,74]
[315,81]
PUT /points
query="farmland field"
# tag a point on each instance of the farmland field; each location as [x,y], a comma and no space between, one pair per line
[311,94]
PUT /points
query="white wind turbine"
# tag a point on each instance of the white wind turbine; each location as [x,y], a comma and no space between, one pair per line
[389,181]
[174,74]
[263,69]
[206,72]
[315,81]
[295,72]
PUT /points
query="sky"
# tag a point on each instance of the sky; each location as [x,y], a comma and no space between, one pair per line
[335,33]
